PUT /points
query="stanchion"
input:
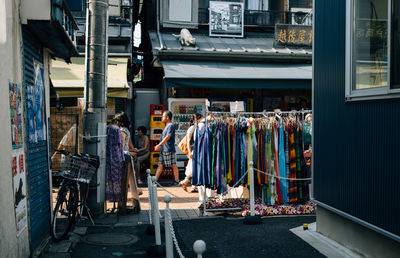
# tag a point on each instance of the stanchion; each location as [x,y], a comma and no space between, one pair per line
[252,219]
[199,247]
[150,228]
[168,237]
[158,249]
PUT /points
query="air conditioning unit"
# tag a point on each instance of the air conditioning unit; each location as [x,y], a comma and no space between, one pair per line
[301,16]
[114,8]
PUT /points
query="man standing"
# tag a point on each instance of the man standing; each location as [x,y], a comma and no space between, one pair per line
[167,148]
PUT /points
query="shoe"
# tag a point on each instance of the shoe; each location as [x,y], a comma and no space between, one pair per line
[140,191]
[174,183]
[184,184]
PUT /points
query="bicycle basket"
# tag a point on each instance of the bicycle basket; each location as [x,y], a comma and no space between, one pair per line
[78,168]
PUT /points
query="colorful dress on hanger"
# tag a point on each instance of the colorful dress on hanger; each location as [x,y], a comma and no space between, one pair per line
[114,163]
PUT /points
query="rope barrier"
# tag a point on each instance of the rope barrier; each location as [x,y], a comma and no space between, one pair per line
[286,178]
[238,182]
[171,226]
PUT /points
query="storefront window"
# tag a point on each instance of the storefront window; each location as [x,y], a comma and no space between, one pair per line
[395,57]
[372,53]
[370,63]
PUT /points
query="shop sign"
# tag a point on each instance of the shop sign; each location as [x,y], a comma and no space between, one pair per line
[19,186]
[15,96]
[293,35]
[226,19]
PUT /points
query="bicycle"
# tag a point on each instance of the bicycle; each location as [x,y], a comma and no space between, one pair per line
[77,171]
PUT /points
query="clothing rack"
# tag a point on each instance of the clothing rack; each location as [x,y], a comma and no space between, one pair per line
[260,113]
[249,114]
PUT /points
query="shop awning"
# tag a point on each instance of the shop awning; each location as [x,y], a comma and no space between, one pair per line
[211,74]
[69,79]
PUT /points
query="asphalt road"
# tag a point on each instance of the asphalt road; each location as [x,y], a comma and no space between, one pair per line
[224,237]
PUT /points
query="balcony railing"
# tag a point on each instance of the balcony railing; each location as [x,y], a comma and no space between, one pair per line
[61,13]
[265,18]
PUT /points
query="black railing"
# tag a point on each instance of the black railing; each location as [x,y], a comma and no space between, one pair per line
[265,18]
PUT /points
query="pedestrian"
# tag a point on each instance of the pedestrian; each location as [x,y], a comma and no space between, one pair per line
[166,147]
[190,144]
[128,180]
[142,150]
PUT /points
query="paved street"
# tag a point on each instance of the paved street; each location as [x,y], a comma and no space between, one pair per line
[225,235]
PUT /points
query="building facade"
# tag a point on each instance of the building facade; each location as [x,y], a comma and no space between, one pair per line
[216,53]
[356,115]
[31,34]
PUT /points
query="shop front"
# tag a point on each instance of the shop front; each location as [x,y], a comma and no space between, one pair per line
[68,81]
[218,86]
[260,86]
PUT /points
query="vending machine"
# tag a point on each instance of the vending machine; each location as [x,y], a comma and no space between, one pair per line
[183,110]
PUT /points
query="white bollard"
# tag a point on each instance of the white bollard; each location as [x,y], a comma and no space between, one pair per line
[251,175]
[150,191]
[199,247]
[168,236]
[156,213]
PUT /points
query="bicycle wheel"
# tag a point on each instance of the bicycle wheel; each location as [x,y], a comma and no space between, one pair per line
[64,211]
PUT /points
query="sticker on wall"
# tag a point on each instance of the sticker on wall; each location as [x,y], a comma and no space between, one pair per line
[15,96]
[19,185]
[36,107]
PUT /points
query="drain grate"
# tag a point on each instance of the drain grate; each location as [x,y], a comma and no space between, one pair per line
[110,239]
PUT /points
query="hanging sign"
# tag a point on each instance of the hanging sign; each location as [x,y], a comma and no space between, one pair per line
[19,186]
[15,96]
[293,35]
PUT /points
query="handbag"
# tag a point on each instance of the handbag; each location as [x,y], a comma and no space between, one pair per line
[182,145]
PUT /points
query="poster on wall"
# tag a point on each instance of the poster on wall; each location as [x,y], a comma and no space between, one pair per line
[226,19]
[36,107]
[15,96]
[19,185]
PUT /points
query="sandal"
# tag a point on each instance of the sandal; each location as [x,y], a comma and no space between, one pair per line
[184,183]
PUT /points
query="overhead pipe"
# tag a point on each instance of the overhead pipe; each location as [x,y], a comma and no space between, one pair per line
[158,26]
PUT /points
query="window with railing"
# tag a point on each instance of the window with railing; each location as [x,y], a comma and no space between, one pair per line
[264,13]
[260,18]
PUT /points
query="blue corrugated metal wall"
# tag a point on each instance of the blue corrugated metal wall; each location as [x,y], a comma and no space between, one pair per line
[36,157]
[356,145]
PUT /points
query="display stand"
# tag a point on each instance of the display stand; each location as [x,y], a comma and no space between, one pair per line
[253,219]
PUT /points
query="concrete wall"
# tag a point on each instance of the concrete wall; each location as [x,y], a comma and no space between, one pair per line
[35,10]
[10,71]
[354,236]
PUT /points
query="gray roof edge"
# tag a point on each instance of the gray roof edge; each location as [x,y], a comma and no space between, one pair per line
[254,56]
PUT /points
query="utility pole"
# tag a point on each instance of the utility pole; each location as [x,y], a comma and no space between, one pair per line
[96,54]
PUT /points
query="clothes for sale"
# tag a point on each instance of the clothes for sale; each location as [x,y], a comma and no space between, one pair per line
[224,150]
[114,162]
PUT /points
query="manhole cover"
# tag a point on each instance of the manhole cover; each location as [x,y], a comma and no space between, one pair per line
[111,239]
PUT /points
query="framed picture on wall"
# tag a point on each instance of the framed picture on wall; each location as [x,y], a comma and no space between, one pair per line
[226,19]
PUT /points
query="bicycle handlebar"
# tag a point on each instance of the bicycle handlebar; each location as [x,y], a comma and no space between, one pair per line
[92,159]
